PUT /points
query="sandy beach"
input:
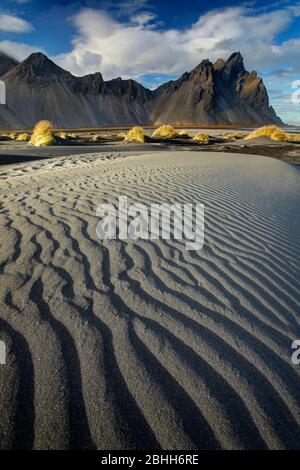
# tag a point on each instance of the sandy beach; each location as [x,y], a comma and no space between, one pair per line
[143,344]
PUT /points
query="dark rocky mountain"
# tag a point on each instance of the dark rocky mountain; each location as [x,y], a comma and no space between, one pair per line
[220,93]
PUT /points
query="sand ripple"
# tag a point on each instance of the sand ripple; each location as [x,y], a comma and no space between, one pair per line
[142,344]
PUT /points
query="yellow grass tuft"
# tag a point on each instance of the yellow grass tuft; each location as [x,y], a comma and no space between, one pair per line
[42,135]
[294,137]
[204,138]
[121,135]
[24,137]
[165,131]
[273,132]
[12,136]
[234,135]
[67,136]
[97,137]
[136,134]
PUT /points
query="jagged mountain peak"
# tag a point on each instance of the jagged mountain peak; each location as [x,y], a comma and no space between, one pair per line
[235,62]
[233,67]
[38,64]
[38,58]
[235,57]
[223,92]
[37,70]
[205,64]
[219,64]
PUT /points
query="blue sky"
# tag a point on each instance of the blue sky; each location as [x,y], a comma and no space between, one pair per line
[155,41]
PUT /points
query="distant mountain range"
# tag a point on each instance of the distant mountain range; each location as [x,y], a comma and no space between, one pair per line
[220,93]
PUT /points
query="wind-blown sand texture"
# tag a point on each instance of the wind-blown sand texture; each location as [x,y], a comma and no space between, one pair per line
[143,344]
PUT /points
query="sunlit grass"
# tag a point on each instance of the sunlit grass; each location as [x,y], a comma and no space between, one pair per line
[42,135]
[272,132]
[234,135]
[67,136]
[136,134]
[165,131]
[24,137]
[121,135]
[294,137]
[204,138]
[97,138]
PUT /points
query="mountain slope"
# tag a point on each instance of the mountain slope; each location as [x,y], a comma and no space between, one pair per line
[49,91]
[221,93]
[8,119]
[7,63]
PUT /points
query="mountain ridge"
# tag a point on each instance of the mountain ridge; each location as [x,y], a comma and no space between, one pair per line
[220,93]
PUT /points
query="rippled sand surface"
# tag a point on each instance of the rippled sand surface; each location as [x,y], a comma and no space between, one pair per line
[143,344]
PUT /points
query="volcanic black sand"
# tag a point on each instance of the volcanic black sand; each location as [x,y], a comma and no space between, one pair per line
[141,343]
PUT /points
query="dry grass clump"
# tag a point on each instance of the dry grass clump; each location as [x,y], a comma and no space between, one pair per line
[12,136]
[24,137]
[234,136]
[204,138]
[136,134]
[67,136]
[97,137]
[272,132]
[165,131]
[121,135]
[293,137]
[42,135]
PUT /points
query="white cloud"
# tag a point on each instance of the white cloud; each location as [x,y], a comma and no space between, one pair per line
[14,24]
[143,18]
[138,47]
[18,50]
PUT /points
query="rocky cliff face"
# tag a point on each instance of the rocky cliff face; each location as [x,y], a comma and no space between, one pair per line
[248,87]
[220,93]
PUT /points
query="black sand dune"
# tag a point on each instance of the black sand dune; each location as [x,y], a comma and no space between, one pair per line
[143,344]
